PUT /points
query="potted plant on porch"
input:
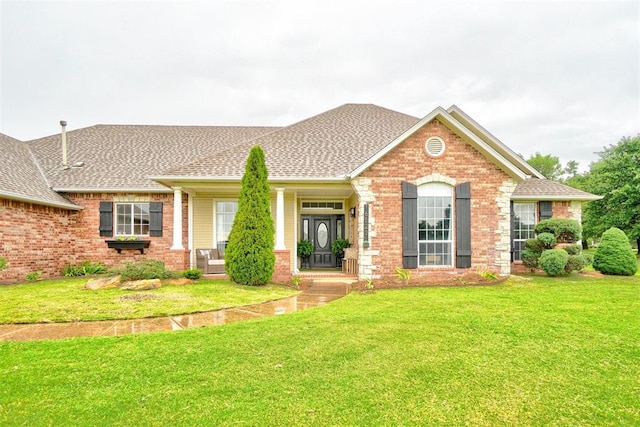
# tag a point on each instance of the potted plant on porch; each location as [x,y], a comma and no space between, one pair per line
[337,247]
[305,249]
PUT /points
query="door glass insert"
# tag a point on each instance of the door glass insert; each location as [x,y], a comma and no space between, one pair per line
[322,235]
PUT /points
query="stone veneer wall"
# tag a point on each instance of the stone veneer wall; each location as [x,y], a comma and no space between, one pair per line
[40,238]
[380,187]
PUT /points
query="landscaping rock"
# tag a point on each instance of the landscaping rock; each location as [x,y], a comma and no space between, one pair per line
[103,283]
[141,285]
[181,281]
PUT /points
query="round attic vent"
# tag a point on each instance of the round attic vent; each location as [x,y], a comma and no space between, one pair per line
[434,146]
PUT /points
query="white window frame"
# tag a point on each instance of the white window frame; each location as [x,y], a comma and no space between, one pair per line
[223,221]
[521,234]
[435,190]
[129,227]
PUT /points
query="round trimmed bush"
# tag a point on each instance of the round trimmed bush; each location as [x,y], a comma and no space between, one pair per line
[534,245]
[614,255]
[566,230]
[575,263]
[553,261]
[573,249]
[547,239]
[530,259]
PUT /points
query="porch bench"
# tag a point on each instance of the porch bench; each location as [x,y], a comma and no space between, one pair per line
[209,261]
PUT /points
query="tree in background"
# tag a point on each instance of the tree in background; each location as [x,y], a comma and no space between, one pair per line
[547,165]
[249,257]
[616,176]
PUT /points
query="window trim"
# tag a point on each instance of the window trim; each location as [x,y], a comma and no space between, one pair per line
[517,253]
[216,226]
[421,190]
[132,225]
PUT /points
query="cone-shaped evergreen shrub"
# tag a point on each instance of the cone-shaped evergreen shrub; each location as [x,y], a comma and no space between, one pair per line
[614,254]
[249,257]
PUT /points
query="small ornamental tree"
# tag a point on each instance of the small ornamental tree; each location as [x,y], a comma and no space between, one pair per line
[249,257]
[614,254]
[565,230]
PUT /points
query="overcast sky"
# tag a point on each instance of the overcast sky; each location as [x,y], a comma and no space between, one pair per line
[560,78]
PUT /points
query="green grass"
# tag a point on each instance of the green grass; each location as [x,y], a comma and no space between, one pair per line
[65,300]
[542,351]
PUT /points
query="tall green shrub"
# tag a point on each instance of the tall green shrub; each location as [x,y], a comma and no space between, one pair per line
[249,257]
[614,254]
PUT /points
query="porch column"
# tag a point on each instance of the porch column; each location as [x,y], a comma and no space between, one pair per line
[177,218]
[280,219]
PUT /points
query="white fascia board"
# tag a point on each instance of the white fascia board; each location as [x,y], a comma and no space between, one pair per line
[537,197]
[487,136]
[20,198]
[227,179]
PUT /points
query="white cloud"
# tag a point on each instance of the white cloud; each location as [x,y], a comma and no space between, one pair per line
[561,78]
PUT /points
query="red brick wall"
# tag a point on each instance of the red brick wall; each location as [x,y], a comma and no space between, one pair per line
[34,238]
[40,238]
[408,162]
[282,271]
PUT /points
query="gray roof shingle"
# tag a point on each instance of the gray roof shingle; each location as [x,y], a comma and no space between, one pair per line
[121,157]
[541,189]
[21,178]
[328,145]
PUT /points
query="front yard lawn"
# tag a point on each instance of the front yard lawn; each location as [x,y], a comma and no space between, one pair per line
[541,351]
[65,300]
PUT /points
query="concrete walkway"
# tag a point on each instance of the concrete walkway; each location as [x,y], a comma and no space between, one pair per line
[319,293]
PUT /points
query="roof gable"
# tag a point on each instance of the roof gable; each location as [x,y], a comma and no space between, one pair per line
[475,136]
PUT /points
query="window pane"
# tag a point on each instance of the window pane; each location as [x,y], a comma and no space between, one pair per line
[225,214]
[524,224]
[434,224]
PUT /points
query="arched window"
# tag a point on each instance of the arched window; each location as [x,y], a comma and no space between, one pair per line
[435,224]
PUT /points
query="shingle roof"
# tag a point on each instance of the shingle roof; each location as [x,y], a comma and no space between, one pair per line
[121,157]
[21,178]
[328,145]
[543,189]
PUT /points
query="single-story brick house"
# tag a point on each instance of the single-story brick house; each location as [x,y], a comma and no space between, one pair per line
[436,195]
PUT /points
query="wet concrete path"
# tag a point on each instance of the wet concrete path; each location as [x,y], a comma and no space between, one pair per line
[317,294]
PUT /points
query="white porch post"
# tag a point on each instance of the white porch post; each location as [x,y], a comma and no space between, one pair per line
[280,219]
[177,218]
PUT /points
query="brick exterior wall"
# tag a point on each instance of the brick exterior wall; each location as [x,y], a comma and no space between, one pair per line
[35,238]
[282,271]
[380,186]
[40,238]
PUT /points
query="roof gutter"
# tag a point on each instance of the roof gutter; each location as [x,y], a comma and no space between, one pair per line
[527,197]
[109,190]
[21,198]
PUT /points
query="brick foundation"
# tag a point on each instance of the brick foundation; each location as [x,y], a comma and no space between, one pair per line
[282,271]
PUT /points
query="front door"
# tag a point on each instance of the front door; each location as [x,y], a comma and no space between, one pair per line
[322,234]
[322,230]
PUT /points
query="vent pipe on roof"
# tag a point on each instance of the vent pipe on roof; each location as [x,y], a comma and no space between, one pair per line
[63,137]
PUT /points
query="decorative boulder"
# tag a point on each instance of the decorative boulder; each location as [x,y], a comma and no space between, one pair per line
[141,285]
[103,283]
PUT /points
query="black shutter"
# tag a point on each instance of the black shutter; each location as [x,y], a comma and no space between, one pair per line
[106,219]
[546,210]
[155,219]
[463,225]
[513,231]
[409,225]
